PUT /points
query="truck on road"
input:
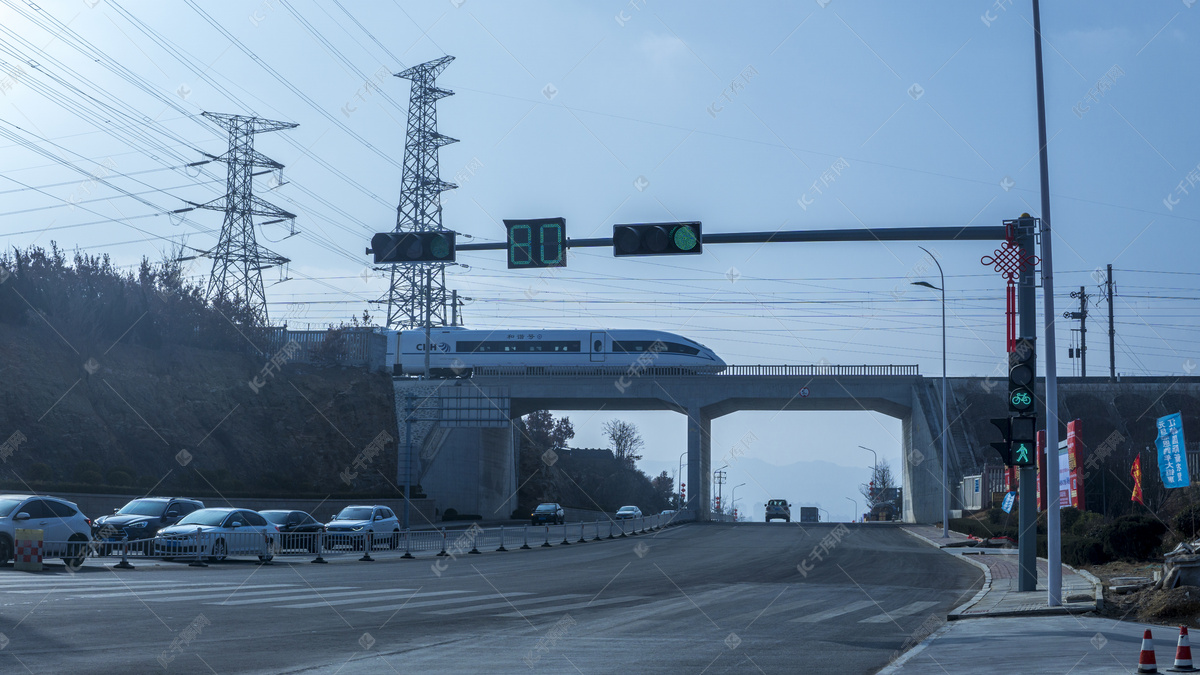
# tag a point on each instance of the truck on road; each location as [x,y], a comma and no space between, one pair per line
[809,514]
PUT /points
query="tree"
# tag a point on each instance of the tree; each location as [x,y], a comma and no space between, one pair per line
[664,486]
[880,491]
[625,440]
[544,432]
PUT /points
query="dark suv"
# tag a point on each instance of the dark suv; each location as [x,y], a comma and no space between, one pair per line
[141,519]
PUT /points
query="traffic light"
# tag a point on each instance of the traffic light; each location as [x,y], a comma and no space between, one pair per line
[411,247]
[1022,362]
[1024,440]
[541,242]
[1004,424]
[657,239]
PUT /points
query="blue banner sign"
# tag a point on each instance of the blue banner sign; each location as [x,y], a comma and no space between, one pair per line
[1172,460]
[1009,499]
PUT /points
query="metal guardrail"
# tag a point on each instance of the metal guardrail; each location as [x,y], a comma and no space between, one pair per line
[814,370]
[201,548]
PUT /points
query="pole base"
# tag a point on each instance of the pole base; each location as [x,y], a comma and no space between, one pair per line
[197,563]
[525,547]
[319,560]
[408,556]
[366,558]
[473,551]
[547,545]
[501,549]
[123,565]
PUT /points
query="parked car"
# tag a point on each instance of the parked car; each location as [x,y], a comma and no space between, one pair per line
[548,513]
[141,519]
[66,533]
[628,512]
[348,526]
[779,509]
[297,529]
[223,532]
[668,512]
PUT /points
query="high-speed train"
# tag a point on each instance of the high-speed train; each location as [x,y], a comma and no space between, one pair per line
[456,351]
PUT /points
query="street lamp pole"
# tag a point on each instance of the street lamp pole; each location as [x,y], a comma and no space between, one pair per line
[733,494]
[826,514]
[874,477]
[855,508]
[720,483]
[945,392]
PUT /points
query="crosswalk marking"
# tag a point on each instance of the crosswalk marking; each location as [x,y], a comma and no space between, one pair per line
[576,605]
[433,603]
[836,611]
[179,591]
[227,595]
[502,605]
[911,608]
[106,585]
[305,594]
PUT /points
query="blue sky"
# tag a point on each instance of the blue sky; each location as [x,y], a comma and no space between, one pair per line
[604,112]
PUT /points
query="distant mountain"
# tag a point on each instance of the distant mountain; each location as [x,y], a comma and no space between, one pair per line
[816,483]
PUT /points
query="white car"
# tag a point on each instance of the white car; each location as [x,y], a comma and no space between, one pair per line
[223,532]
[59,520]
[353,524]
[628,512]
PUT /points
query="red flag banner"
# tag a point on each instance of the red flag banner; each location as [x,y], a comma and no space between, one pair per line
[1136,472]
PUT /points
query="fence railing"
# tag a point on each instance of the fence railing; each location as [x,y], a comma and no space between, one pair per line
[201,548]
[814,370]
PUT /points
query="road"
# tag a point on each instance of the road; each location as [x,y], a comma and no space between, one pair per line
[713,598]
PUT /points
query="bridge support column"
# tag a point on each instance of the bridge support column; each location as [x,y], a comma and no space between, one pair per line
[699,473]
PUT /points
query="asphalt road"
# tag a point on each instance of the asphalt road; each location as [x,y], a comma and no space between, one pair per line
[699,598]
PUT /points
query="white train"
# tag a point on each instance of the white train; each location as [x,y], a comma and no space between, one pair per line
[456,351]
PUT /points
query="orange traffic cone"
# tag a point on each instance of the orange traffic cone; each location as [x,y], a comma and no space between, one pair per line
[1146,662]
[1183,654]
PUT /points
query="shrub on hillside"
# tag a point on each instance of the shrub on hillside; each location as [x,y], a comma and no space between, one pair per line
[1083,551]
[1187,522]
[1134,537]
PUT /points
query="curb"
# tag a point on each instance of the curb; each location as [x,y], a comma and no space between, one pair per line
[1097,585]
[957,612]
[899,662]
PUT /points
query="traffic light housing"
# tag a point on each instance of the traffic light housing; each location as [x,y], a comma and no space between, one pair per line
[413,247]
[1024,440]
[1022,363]
[657,239]
[541,242]
[1004,447]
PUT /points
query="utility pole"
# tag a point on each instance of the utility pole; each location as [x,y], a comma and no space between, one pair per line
[416,297]
[1082,316]
[1112,334]
[238,260]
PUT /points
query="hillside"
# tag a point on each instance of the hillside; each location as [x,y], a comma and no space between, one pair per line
[124,419]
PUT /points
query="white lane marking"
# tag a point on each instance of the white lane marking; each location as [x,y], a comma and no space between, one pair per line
[98,587]
[911,608]
[502,605]
[179,591]
[432,603]
[836,611]
[576,605]
[376,593]
[232,592]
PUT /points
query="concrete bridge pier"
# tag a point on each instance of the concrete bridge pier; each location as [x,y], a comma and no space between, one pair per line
[699,465]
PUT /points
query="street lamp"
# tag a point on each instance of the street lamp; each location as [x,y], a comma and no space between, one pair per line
[721,483]
[826,514]
[855,508]
[679,478]
[945,454]
[733,494]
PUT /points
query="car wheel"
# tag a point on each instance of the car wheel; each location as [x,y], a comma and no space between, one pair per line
[787,520]
[394,542]
[76,550]
[219,551]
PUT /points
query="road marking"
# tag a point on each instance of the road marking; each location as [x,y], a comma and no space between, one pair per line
[228,594]
[576,605]
[181,591]
[100,588]
[911,608]
[502,605]
[837,611]
[319,602]
[432,603]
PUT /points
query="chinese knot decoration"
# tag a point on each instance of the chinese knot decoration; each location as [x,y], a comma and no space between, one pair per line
[1009,260]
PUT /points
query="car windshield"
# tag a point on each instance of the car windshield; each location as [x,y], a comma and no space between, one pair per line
[277,517]
[627,509]
[776,502]
[7,505]
[204,517]
[354,513]
[144,507]
[544,508]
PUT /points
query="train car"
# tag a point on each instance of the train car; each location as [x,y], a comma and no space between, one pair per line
[456,352]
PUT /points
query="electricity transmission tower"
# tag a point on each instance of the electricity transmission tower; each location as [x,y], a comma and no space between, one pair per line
[417,295]
[238,260]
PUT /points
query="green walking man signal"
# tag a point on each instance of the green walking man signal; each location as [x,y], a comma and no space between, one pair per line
[1020,440]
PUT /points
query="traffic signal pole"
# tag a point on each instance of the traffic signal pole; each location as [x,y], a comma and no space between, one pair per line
[1026,492]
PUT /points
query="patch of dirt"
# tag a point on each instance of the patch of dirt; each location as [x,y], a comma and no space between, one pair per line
[1174,607]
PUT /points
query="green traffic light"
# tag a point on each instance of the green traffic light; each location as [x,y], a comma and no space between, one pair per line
[685,238]
[439,247]
[1021,455]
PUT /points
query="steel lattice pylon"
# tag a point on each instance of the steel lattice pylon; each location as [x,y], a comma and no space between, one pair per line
[238,260]
[417,296]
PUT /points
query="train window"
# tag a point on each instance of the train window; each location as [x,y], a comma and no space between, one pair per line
[598,346]
[474,347]
[637,346]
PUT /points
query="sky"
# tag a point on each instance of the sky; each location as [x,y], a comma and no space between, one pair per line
[775,115]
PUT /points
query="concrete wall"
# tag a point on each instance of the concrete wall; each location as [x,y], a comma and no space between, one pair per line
[473,472]
[96,505]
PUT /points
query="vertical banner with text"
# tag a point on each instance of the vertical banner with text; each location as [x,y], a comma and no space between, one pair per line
[1172,460]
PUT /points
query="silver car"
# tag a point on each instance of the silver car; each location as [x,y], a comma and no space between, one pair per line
[66,533]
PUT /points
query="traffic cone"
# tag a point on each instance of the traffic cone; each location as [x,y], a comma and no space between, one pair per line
[1146,662]
[1183,654]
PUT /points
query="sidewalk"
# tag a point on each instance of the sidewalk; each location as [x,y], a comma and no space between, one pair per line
[1081,592]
